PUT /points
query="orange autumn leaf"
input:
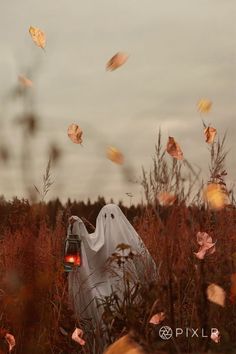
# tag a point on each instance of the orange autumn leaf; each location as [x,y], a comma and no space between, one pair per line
[210,134]
[124,345]
[216,294]
[216,196]
[114,155]
[166,198]
[75,133]
[157,318]
[10,341]
[116,61]
[204,106]
[215,335]
[174,149]
[77,336]
[24,81]
[38,36]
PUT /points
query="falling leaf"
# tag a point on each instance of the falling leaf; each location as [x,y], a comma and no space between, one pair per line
[77,336]
[24,81]
[233,287]
[204,106]
[215,335]
[124,345]
[38,36]
[116,61]
[75,133]
[216,196]
[173,149]
[10,340]
[165,198]
[157,318]
[207,247]
[216,294]
[115,155]
[210,134]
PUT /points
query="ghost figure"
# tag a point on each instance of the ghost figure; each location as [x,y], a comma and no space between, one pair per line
[92,280]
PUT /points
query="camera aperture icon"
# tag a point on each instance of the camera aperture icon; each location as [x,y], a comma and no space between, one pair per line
[165,332]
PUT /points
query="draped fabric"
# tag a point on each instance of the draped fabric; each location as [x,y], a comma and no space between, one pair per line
[92,280]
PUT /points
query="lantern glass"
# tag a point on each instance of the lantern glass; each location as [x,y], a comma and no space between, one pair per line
[72,253]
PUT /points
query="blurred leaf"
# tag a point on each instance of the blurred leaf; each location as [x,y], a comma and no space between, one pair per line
[24,81]
[4,154]
[166,198]
[115,155]
[216,196]
[55,153]
[38,36]
[210,134]
[204,106]
[216,294]
[75,133]
[124,345]
[173,149]
[116,61]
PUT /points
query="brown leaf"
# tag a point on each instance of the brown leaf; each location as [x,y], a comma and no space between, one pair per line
[116,61]
[157,318]
[115,155]
[75,133]
[77,336]
[204,106]
[210,134]
[38,36]
[216,196]
[24,81]
[216,294]
[173,149]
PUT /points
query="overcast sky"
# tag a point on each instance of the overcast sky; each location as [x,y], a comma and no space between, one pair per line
[179,51]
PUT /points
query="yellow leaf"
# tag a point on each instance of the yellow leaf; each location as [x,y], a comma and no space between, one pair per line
[115,155]
[204,106]
[116,61]
[216,196]
[38,36]
[216,294]
[75,133]
[174,149]
[210,134]
[24,81]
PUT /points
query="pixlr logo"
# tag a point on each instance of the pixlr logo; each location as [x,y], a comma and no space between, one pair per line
[166,332]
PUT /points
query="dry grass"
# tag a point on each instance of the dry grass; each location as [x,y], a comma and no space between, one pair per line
[34,297]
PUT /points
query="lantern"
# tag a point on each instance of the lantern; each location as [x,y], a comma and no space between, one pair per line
[72,252]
